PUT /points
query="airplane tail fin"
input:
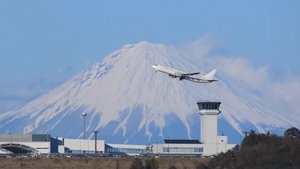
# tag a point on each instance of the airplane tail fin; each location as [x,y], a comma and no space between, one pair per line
[210,75]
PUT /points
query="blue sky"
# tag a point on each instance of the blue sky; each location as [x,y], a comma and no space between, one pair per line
[44,42]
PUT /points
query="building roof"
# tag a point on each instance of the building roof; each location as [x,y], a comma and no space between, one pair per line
[208,105]
[18,148]
[176,141]
[25,138]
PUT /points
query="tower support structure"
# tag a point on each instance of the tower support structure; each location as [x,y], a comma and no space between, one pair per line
[209,112]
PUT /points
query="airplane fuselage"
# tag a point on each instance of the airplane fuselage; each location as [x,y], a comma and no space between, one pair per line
[208,78]
[172,72]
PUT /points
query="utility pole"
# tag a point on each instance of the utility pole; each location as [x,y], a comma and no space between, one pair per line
[83,114]
[95,133]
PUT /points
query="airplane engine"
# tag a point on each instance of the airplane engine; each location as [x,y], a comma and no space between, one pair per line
[172,76]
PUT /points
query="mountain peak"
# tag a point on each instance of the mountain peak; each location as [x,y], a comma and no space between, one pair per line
[125,99]
[142,44]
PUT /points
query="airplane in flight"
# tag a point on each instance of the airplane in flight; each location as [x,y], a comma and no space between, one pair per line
[207,78]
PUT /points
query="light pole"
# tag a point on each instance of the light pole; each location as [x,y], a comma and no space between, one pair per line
[83,114]
[95,132]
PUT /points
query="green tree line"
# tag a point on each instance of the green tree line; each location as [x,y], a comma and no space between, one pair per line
[262,151]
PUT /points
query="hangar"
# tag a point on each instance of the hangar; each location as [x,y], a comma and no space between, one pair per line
[25,144]
[37,144]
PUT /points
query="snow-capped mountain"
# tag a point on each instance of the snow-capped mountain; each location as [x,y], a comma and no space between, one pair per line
[128,102]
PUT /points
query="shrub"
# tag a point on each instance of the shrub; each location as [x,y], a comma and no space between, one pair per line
[172,167]
[151,164]
[137,164]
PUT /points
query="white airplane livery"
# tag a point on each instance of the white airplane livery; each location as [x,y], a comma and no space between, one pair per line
[207,78]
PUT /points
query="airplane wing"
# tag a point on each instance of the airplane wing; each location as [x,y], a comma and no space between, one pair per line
[190,74]
[187,75]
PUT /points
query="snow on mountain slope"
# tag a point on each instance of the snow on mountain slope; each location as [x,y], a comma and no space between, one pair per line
[126,99]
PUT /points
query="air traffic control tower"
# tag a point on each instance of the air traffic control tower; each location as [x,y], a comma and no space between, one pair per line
[209,121]
[212,143]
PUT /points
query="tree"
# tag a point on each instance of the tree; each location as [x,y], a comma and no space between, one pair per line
[294,132]
[262,151]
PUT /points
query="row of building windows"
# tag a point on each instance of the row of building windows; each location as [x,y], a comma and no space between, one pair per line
[125,150]
[209,106]
[182,150]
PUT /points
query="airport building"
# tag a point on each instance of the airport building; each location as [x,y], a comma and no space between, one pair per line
[178,148]
[25,144]
[126,149]
[208,144]
[41,144]
[212,143]
[81,146]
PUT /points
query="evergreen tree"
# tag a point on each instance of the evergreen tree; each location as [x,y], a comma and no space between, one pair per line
[262,151]
[294,132]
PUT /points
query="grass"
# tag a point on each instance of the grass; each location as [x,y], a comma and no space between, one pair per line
[95,162]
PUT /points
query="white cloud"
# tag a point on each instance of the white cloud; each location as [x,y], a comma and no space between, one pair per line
[202,46]
[283,94]
[241,70]
[289,92]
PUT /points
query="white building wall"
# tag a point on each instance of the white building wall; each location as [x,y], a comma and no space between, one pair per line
[177,149]
[128,146]
[209,126]
[212,143]
[84,145]
[61,149]
[222,140]
[209,149]
[221,146]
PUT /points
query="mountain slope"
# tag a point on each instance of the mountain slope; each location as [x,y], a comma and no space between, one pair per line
[128,102]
